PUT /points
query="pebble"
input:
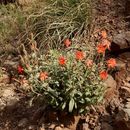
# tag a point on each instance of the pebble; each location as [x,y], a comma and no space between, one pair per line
[52,126]
[106,126]
[23,122]
[85,126]
[58,128]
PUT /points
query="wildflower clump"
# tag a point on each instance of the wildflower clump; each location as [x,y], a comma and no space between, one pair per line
[70,79]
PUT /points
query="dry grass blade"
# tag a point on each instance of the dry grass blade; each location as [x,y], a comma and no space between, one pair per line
[59,20]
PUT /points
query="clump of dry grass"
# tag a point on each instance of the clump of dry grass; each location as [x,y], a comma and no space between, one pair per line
[58,20]
[12,25]
[50,21]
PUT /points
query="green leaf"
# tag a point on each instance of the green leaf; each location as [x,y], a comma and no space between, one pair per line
[64,105]
[81,110]
[75,105]
[71,105]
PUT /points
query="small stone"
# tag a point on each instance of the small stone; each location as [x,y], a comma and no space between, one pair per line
[9,96]
[42,128]
[106,126]
[62,125]
[58,128]
[122,121]
[97,128]
[110,82]
[128,79]
[8,93]
[2,104]
[52,126]
[66,129]
[107,118]
[4,79]
[128,36]
[127,110]
[87,119]
[32,127]
[121,116]
[127,105]
[23,122]
[12,101]
[85,126]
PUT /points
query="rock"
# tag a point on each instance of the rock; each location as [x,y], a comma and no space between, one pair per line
[4,78]
[111,91]
[69,120]
[2,104]
[127,36]
[73,123]
[52,126]
[128,78]
[125,56]
[110,82]
[42,129]
[122,121]
[66,129]
[38,115]
[8,92]
[120,64]
[106,126]
[121,40]
[12,101]
[107,118]
[97,128]
[33,127]
[85,126]
[87,119]
[9,96]
[127,110]
[128,66]
[23,122]
[121,116]
[58,128]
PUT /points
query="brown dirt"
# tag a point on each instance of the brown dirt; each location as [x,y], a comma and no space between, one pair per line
[16,113]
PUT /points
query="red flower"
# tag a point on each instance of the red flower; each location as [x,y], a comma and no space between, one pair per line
[62,60]
[20,69]
[111,63]
[101,49]
[43,76]
[103,75]
[79,55]
[67,42]
[89,63]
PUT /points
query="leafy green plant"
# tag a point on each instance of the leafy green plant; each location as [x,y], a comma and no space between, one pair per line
[68,79]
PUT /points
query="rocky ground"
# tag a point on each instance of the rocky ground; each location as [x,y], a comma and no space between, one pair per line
[17,113]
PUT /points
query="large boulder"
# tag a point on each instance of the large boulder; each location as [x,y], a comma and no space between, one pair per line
[121,41]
